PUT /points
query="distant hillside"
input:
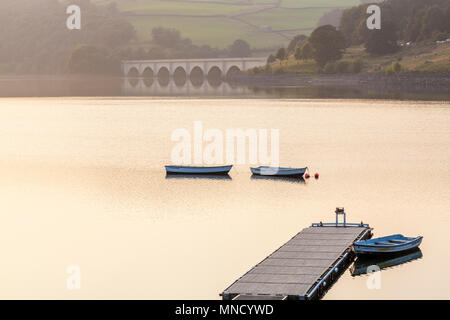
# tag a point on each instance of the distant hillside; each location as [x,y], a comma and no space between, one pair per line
[35,39]
[415,37]
[262,23]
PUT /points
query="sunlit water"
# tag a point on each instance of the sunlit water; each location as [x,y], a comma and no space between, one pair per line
[83,183]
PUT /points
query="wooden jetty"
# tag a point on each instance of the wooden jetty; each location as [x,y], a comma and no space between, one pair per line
[304,267]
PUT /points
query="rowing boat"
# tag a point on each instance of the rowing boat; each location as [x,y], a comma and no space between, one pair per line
[278,171]
[197,170]
[389,244]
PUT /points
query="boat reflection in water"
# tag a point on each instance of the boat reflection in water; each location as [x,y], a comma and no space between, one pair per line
[363,264]
[199,176]
[280,178]
[172,87]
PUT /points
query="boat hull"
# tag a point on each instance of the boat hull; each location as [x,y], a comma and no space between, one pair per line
[185,170]
[278,172]
[198,176]
[381,245]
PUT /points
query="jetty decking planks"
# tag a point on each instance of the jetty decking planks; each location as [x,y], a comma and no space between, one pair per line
[296,268]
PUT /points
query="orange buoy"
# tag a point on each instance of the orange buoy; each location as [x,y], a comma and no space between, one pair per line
[316,176]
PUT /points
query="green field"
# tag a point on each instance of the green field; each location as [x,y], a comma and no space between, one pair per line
[265,24]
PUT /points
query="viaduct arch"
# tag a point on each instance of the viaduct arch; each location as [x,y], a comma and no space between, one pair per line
[203,67]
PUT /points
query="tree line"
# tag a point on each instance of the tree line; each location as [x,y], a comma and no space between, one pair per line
[408,20]
[325,44]
[401,20]
[167,43]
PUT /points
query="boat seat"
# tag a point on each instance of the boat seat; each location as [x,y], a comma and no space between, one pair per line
[384,243]
[399,241]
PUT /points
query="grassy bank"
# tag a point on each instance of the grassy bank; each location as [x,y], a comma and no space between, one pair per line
[420,57]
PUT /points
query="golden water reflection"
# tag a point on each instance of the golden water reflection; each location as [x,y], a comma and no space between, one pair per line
[83,183]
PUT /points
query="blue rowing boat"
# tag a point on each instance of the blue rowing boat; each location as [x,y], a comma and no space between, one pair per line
[390,244]
[197,170]
[278,171]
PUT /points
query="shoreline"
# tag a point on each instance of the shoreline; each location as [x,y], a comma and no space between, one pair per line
[417,86]
[408,81]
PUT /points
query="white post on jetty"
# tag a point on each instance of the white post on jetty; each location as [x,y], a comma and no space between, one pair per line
[340,211]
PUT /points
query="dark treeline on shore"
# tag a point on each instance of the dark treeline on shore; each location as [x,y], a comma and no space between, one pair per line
[35,40]
[408,20]
[402,22]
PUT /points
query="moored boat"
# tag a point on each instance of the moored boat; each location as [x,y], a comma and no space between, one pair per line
[278,171]
[389,244]
[197,170]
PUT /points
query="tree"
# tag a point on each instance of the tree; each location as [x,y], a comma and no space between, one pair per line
[447,19]
[298,41]
[239,49]
[281,54]
[383,41]
[88,59]
[271,59]
[350,20]
[166,38]
[298,53]
[397,67]
[304,52]
[412,31]
[327,43]
[394,68]
[433,20]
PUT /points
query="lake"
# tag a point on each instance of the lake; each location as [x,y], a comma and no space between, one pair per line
[83,184]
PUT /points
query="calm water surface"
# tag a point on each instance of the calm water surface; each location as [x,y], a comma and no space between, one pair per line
[82,183]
